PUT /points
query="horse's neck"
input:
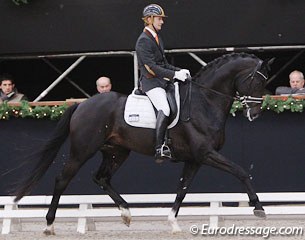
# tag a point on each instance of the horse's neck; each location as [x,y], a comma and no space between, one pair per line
[219,82]
[214,104]
[205,104]
[215,91]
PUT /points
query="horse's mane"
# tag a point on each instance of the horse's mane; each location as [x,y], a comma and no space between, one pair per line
[222,59]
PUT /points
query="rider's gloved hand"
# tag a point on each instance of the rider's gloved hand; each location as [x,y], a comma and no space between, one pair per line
[187,72]
[182,74]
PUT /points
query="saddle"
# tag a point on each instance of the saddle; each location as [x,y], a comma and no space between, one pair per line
[140,112]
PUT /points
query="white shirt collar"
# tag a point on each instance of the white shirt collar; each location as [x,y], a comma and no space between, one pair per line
[151,31]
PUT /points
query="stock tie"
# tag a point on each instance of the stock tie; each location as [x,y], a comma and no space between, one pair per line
[157,39]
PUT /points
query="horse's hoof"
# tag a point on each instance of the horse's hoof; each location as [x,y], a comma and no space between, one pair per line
[126,216]
[126,220]
[176,230]
[49,230]
[259,213]
[173,222]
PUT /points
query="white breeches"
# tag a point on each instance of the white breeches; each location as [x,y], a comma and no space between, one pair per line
[158,98]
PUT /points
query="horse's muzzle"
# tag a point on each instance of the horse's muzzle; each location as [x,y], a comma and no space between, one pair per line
[252,113]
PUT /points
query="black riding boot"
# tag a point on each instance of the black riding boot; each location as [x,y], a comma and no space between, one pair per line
[162,150]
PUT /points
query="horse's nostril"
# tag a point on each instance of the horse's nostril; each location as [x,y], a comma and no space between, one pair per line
[255,116]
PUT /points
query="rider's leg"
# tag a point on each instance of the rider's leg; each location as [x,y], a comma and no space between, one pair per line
[159,100]
[162,151]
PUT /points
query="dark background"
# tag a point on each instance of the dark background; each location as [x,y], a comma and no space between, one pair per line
[272,153]
[44,28]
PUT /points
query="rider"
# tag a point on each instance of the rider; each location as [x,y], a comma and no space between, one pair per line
[156,73]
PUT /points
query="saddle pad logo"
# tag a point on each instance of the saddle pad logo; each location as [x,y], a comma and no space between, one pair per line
[134,118]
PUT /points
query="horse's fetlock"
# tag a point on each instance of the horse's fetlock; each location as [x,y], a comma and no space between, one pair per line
[253,201]
[124,205]
[50,219]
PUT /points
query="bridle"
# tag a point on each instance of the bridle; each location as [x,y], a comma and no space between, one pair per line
[244,100]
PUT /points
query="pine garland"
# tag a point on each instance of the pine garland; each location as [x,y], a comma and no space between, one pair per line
[276,105]
[26,111]
[55,112]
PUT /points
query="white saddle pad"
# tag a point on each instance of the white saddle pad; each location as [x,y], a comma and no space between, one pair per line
[139,111]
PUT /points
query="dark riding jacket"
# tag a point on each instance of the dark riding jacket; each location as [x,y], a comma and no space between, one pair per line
[155,71]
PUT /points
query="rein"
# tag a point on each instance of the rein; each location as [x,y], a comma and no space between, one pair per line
[245,100]
[209,89]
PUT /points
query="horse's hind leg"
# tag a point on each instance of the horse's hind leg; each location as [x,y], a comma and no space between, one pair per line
[189,171]
[113,157]
[61,182]
[216,160]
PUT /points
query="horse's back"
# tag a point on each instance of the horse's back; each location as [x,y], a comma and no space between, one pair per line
[97,110]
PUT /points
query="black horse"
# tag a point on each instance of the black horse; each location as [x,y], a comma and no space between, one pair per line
[97,124]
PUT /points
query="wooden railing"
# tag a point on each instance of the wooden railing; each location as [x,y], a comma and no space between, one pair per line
[50,103]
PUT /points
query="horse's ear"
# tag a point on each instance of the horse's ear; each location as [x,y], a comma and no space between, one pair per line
[267,63]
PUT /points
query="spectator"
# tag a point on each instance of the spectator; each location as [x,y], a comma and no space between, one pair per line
[8,91]
[296,81]
[103,84]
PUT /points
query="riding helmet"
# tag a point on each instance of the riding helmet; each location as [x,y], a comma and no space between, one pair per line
[153,10]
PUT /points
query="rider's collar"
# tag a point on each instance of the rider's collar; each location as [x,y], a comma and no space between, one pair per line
[153,33]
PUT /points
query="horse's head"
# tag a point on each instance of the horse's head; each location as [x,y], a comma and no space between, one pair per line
[250,88]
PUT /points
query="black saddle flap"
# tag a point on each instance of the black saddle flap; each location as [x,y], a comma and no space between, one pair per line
[170,93]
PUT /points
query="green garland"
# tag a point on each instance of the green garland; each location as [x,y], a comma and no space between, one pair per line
[276,105]
[55,112]
[26,111]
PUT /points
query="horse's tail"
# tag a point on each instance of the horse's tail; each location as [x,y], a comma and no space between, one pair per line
[46,154]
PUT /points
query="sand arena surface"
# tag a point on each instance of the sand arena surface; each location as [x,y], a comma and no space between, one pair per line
[151,228]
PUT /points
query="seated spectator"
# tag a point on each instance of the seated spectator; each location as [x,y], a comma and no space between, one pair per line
[103,84]
[296,81]
[8,91]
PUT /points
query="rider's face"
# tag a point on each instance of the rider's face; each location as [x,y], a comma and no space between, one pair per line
[157,23]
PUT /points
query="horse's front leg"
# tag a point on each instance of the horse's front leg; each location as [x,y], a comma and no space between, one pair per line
[189,171]
[216,160]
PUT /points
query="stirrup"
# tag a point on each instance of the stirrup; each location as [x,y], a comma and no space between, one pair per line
[163,153]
